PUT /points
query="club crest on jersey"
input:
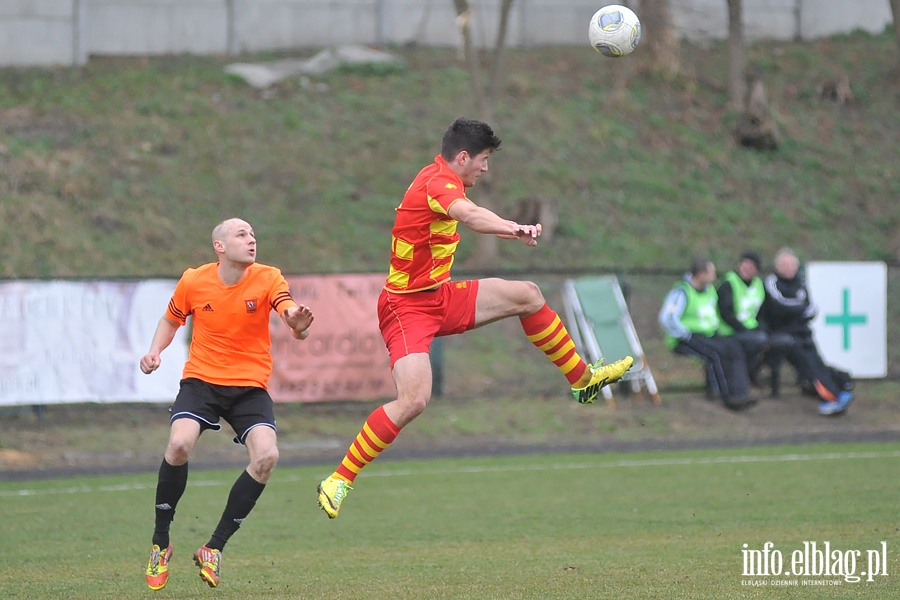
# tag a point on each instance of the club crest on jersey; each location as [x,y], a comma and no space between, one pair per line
[251,305]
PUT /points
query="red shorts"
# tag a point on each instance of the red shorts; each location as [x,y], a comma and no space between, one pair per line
[409,322]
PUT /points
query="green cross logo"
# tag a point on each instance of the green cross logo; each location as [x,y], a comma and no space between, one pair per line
[846,319]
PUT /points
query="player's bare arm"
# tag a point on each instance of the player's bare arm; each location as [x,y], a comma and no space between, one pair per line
[165,333]
[298,319]
[527,234]
[482,220]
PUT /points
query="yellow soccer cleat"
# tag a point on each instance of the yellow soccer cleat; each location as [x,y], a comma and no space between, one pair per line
[210,561]
[602,376]
[158,568]
[332,492]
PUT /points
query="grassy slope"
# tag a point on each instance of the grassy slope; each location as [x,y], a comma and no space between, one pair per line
[122,167]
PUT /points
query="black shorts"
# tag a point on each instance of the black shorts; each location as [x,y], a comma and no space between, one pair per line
[242,407]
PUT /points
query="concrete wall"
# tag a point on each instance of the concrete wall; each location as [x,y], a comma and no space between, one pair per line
[281,24]
[67,32]
[41,32]
[782,19]
[147,27]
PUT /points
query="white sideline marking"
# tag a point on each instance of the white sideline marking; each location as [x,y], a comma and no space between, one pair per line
[646,462]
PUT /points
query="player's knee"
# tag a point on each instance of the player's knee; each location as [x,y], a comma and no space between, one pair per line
[532,297]
[178,451]
[411,407]
[415,406]
[264,462]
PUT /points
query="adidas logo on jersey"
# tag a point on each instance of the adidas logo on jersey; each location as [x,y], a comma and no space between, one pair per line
[207,308]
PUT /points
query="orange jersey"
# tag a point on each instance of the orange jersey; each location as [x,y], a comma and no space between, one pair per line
[424,237]
[230,341]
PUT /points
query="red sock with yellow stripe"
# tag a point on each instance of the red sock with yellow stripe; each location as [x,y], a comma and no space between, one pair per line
[376,434]
[546,331]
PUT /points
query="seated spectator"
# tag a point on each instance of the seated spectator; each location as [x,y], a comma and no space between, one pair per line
[690,319]
[789,310]
[741,296]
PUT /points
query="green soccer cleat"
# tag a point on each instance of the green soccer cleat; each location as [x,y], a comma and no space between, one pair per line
[601,376]
[157,575]
[332,492]
[210,562]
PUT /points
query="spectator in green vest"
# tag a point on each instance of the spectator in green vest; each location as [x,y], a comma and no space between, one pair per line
[741,296]
[690,320]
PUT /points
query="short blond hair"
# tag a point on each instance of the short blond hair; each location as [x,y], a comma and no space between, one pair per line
[783,256]
[221,230]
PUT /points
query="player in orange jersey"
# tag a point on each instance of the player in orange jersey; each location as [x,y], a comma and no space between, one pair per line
[420,302]
[225,377]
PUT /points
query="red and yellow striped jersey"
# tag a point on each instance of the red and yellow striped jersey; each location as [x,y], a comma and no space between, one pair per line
[424,237]
[230,342]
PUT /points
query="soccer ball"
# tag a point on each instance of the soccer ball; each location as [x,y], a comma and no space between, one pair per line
[614,31]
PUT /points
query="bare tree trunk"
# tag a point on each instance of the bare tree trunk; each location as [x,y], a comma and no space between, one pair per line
[499,48]
[658,33]
[470,53]
[486,252]
[737,54]
[756,127]
[895,9]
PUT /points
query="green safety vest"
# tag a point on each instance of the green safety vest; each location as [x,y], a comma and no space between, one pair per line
[747,300]
[701,313]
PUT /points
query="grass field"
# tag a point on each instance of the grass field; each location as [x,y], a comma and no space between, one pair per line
[644,525]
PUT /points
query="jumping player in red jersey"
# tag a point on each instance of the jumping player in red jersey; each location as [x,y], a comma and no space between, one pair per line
[419,301]
[225,377]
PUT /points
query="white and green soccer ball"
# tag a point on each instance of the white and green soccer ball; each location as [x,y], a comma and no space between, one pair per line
[615,31]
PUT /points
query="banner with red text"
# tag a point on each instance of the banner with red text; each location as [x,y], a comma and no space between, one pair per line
[344,357]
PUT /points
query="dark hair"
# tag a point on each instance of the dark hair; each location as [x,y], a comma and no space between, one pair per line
[753,257]
[700,265]
[470,135]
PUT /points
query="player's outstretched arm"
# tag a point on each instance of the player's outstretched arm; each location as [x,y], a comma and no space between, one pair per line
[482,220]
[165,333]
[527,234]
[298,319]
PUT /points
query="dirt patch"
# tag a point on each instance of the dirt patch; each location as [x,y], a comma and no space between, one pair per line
[14,459]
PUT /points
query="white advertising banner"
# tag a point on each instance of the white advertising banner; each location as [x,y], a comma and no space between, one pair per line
[851,325]
[82,341]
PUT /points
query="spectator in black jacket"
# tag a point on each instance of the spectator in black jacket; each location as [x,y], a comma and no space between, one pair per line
[788,309]
[741,295]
